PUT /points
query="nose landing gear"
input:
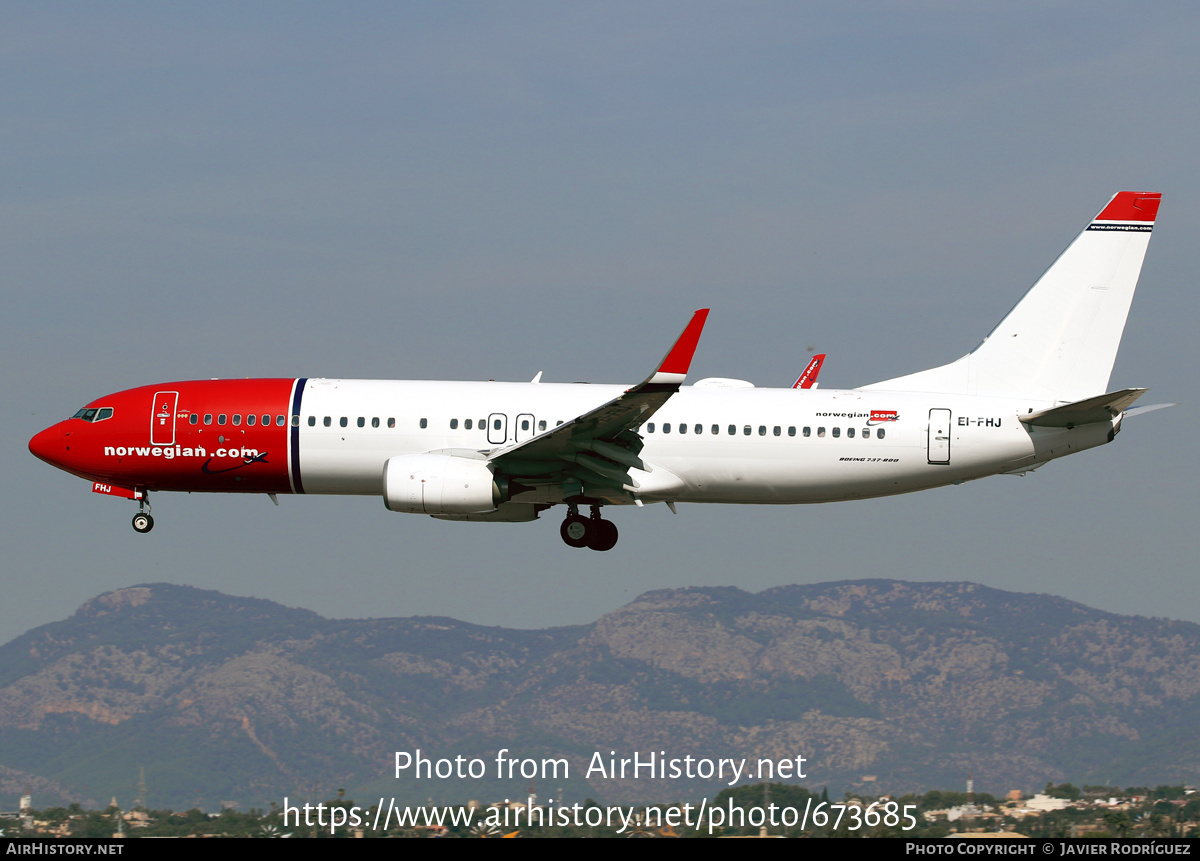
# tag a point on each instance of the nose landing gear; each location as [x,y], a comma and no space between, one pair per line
[142,521]
[593,532]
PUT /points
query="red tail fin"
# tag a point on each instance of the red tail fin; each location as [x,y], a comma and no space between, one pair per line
[809,378]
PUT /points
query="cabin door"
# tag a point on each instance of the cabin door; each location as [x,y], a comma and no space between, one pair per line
[162,418]
[939,436]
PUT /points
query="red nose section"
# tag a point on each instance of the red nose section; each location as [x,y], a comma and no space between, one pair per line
[51,445]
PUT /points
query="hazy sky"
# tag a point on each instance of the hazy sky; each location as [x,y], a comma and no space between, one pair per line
[473,191]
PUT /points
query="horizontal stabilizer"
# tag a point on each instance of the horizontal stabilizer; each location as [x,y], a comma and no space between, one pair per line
[1102,408]
[1148,408]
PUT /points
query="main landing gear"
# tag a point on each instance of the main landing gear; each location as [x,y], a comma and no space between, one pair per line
[593,532]
[142,521]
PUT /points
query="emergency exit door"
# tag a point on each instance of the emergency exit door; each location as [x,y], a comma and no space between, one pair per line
[497,428]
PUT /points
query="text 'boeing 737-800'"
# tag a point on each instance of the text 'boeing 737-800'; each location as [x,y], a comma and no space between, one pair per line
[1035,389]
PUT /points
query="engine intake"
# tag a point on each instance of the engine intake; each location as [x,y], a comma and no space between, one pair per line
[439,484]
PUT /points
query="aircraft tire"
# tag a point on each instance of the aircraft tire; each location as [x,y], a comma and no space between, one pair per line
[576,531]
[604,535]
[142,523]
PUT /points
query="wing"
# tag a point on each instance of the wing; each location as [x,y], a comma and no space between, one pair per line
[602,443]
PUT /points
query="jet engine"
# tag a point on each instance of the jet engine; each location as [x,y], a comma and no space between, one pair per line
[439,484]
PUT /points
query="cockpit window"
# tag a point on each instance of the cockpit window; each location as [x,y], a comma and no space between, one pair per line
[94,414]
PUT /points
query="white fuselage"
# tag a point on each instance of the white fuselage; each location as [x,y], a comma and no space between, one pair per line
[740,445]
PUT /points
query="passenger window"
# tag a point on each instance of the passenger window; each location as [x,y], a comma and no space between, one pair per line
[424,423]
[391,423]
[866,434]
[295,421]
[375,422]
[237,419]
[524,424]
[698,429]
[193,419]
[266,422]
[221,419]
[666,427]
[483,424]
[342,421]
[746,430]
[282,420]
[250,420]
[208,418]
[732,430]
[807,431]
[849,433]
[879,433]
[362,422]
[682,427]
[467,424]
[762,430]
[820,431]
[557,423]
[650,427]
[542,425]
[312,421]
[837,432]
[778,430]
[792,430]
[327,421]
[453,424]
[716,429]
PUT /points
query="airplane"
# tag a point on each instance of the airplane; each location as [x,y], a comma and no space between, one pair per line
[1034,390]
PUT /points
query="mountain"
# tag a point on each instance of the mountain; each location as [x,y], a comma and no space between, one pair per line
[881,685]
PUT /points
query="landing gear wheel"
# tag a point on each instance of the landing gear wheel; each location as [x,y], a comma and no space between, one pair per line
[576,530]
[604,535]
[142,522]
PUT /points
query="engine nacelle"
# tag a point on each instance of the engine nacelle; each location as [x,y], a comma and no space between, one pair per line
[439,484]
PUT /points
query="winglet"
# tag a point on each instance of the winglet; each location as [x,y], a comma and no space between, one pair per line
[808,379]
[675,364]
